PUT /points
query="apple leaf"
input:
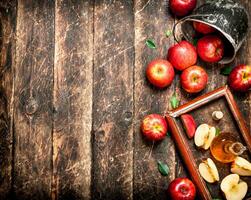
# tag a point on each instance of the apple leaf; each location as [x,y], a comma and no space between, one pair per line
[226,70]
[217,131]
[195,41]
[150,43]
[168,33]
[163,168]
[174,101]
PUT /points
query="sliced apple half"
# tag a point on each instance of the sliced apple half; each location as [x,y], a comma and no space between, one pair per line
[204,136]
[233,187]
[209,171]
[241,166]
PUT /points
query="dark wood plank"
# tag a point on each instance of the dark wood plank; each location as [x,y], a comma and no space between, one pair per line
[73,99]
[152,20]
[113,100]
[7,58]
[33,95]
[244,57]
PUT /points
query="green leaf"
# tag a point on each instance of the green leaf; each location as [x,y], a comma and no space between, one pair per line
[217,131]
[150,43]
[168,33]
[163,168]
[167,134]
[195,41]
[174,101]
[226,71]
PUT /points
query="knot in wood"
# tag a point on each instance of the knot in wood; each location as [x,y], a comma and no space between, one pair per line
[128,115]
[31,106]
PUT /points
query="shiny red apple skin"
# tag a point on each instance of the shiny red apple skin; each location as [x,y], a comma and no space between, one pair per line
[181,189]
[181,8]
[182,55]
[203,28]
[240,78]
[210,48]
[189,125]
[160,73]
[154,127]
[194,79]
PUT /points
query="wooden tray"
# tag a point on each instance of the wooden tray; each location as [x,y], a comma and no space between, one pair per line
[201,108]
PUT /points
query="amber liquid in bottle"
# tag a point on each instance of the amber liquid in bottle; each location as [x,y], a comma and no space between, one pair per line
[225,148]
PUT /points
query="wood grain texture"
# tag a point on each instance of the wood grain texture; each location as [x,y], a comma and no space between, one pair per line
[33,108]
[152,20]
[72,99]
[112,173]
[7,58]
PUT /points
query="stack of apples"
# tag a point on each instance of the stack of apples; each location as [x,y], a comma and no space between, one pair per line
[183,57]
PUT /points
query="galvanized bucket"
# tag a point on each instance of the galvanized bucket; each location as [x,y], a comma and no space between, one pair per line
[226,16]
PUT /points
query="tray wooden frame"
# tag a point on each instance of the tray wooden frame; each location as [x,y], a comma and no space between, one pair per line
[181,140]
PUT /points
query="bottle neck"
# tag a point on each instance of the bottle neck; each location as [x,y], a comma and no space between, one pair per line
[235,148]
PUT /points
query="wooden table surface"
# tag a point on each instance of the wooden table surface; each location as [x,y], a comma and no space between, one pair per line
[73,93]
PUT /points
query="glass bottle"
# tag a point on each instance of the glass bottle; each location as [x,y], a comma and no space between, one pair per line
[225,148]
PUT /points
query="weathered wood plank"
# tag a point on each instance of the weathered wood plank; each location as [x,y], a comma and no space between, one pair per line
[152,20]
[244,57]
[113,100]
[7,58]
[72,99]
[33,95]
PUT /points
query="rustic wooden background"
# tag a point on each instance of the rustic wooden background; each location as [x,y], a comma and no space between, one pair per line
[73,92]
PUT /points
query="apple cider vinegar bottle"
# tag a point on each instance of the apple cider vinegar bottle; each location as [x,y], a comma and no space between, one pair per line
[225,148]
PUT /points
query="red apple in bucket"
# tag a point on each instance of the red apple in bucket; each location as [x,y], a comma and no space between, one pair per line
[210,48]
[203,28]
[181,189]
[181,8]
[194,79]
[154,127]
[160,73]
[240,78]
[182,55]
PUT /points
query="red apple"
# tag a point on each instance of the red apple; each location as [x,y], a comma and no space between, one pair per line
[154,127]
[240,78]
[210,48]
[181,8]
[203,28]
[160,73]
[189,125]
[181,189]
[194,79]
[182,55]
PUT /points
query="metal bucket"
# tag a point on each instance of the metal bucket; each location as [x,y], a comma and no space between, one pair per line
[226,16]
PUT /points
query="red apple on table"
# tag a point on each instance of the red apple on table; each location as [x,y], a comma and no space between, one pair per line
[203,28]
[240,78]
[189,124]
[181,8]
[181,189]
[160,73]
[210,48]
[194,79]
[154,127]
[182,55]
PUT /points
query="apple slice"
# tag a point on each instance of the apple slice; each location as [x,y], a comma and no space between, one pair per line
[209,171]
[241,167]
[204,135]
[189,125]
[233,187]
[209,139]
